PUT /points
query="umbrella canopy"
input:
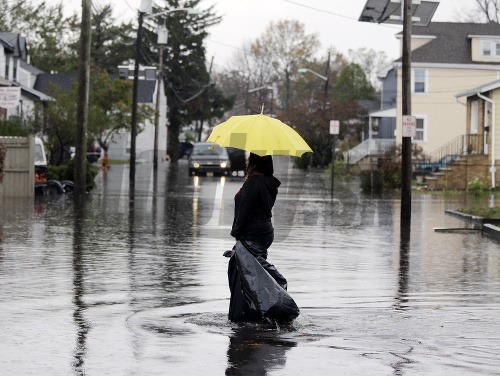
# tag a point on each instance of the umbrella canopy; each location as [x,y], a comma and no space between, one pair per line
[259,134]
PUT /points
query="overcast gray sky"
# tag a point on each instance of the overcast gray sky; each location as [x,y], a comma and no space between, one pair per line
[335,22]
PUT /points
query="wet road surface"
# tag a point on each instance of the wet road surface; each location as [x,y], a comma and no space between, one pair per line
[139,287]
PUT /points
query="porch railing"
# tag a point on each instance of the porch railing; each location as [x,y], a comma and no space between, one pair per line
[372,146]
[461,145]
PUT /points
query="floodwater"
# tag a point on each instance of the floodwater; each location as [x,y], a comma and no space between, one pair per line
[139,287]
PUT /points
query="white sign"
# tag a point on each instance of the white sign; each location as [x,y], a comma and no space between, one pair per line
[334,126]
[409,126]
[9,96]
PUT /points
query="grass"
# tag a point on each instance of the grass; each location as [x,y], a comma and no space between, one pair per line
[484,213]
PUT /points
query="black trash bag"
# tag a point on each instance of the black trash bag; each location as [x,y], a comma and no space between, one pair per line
[258,290]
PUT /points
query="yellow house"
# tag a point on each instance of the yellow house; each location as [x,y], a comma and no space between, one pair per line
[446,58]
[483,122]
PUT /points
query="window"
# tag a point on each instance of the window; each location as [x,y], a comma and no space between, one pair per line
[474,117]
[490,48]
[419,81]
[420,130]
[7,65]
[14,71]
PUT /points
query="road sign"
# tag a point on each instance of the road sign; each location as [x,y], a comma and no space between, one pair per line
[409,126]
[9,96]
[334,126]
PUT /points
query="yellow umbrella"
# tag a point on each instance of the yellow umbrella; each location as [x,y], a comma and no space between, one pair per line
[259,134]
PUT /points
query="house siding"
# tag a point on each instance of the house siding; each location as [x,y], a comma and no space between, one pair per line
[496,141]
[476,47]
[446,117]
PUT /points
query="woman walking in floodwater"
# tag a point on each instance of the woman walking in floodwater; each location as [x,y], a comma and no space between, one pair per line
[258,289]
[254,202]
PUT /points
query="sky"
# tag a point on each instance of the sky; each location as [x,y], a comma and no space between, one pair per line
[334,21]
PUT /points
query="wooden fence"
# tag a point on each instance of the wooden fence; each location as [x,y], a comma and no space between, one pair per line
[19,177]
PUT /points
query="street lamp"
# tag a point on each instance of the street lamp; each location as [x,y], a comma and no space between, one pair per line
[146,7]
[305,70]
[324,78]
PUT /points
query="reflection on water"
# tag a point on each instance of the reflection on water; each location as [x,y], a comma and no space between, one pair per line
[78,287]
[253,350]
[134,283]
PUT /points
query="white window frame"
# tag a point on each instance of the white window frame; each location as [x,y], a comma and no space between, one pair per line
[424,129]
[492,46]
[413,81]
[474,117]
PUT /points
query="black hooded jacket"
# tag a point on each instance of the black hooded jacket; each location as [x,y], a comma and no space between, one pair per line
[252,206]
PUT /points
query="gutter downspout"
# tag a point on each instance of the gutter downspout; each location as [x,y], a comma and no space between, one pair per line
[492,168]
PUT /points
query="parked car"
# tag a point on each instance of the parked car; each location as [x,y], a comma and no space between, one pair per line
[209,158]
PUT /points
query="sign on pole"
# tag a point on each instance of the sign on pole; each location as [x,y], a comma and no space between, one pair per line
[334,126]
[409,126]
[9,96]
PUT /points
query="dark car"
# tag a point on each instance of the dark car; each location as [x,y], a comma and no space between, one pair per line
[238,159]
[209,158]
[185,149]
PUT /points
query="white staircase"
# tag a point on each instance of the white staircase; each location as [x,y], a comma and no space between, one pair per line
[372,146]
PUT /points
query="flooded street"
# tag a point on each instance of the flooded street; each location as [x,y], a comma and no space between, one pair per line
[139,287]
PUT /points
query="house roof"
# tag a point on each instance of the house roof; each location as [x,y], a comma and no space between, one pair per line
[17,42]
[480,89]
[6,44]
[451,43]
[30,68]
[44,82]
[34,94]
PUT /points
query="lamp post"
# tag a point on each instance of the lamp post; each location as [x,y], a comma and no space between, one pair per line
[144,10]
[325,78]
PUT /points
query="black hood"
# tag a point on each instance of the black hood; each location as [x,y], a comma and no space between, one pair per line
[271,182]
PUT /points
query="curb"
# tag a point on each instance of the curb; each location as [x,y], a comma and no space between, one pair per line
[488,225]
[492,230]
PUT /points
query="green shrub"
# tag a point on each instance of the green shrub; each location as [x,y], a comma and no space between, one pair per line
[340,168]
[3,153]
[13,127]
[366,181]
[476,186]
[67,172]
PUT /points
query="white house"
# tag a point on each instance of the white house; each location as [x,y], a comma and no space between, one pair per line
[17,78]
[147,91]
[147,94]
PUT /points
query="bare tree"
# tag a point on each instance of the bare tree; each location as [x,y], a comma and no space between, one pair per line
[371,61]
[489,9]
[283,46]
[480,11]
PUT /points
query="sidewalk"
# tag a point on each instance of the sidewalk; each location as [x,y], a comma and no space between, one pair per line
[489,226]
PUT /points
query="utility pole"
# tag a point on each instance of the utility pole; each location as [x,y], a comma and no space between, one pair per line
[406,108]
[206,102]
[83,101]
[162,41]
[133,128]
[327,75]
[157,111]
